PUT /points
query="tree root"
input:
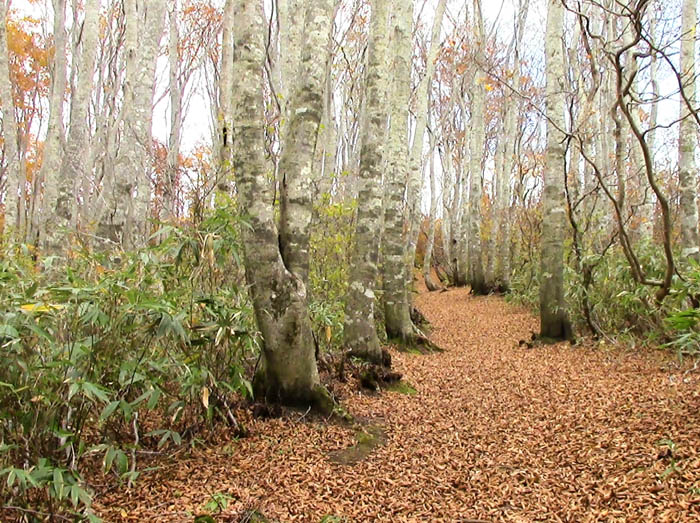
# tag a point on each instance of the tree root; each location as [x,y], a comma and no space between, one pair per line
[324,403]
[417,343]
[375,377]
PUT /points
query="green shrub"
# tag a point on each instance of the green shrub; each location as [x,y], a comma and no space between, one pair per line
[104,354]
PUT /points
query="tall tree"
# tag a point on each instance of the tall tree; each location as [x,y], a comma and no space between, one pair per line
[359,333]
[510,147]
[128,194]
[554,320]
[477,279]
[53,148]
[225,94]
[287,371]
[432,220]
[413,209]
[173,165]
[13,172]
[396,300]
[687,171]
[74,168]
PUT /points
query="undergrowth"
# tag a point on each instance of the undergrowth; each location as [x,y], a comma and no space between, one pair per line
[106,354]
[621,308]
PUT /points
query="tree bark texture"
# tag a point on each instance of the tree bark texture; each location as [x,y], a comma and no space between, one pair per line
[554,321]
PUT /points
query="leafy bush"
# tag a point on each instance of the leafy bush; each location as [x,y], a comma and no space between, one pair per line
[103,354]
[618,305]
[331,241]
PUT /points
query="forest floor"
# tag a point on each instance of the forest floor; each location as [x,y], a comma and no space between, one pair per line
[489,430]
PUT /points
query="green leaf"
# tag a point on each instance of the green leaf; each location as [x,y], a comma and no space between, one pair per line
[91,390]
[11,478]
[248,387]
[122,462]
[58,483]
[8,331]
[153,399]
[109,410]
[109,459]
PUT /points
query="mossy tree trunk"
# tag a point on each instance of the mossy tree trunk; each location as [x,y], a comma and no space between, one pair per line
[276,275]
[396,300]
[360,334]
[687,171]
[554,318]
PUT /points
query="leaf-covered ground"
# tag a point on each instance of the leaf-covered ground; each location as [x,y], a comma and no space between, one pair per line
[494,431]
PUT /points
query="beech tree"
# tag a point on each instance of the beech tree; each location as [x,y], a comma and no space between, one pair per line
[477,278]
[276,273]
[128,195]
[13,175]
[688,175]
[397,316]
[74,167]
[554,321]
[359,330]
[422,96]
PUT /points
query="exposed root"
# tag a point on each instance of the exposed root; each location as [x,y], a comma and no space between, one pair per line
[417,343]
[430,284]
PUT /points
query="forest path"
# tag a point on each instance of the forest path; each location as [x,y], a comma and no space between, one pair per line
[494,432]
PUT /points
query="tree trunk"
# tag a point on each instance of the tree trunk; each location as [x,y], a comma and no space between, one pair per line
[360,334]
[428,256]
[510,135]
[129,195]
[74,168]
[287,371]
[687,172]
[554,321]
[300,142]
[168,210]
[477,279]
[13,173]
[225,101]
[51,162]
[396,303]
[646,229]
[413,209]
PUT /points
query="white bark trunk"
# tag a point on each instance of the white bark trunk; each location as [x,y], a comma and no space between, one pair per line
[288,370]
[13,174]
[53,149]
[168,211]
[476,268]
[688,176]
[396,303]
[225,99]
[360,335]
[432,220]
[129,195]
[553,313]
[413,209]
[74,168]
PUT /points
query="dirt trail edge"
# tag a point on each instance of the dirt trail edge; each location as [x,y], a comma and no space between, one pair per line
[492,432]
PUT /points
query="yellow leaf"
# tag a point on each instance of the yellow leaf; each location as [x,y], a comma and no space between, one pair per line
[205,397]
[329,334]
[35,307]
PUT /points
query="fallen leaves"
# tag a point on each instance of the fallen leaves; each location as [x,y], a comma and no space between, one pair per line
[494,432]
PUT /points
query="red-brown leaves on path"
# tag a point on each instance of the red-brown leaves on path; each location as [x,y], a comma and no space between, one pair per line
[495,432]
